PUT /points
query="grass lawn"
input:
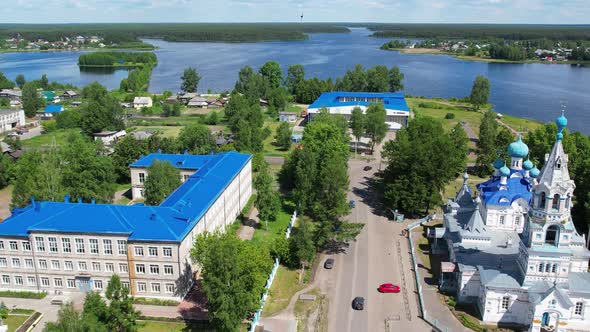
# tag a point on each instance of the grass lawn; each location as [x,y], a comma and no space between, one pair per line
[270,149]
[15,321]
[438,109]
[157,326]
[167,131]
[304,309]
[521,124]
[275,228]
[45,140]
[285,285]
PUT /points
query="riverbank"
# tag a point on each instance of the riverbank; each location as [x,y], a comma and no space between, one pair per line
[90,49]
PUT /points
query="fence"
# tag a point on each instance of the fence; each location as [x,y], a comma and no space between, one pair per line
[271,278]
[425,315]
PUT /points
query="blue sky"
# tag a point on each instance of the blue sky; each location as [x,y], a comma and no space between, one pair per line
[410,11]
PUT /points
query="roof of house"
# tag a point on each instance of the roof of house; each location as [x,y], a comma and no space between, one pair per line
[180,161]
[171,221]
[495,278]
[142,100]
[70,92]
[494,193]
[288,113]
[579,282]
[53,108]
[391,101]
[109,133]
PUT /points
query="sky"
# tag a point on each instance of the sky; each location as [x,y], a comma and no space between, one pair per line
[391,11]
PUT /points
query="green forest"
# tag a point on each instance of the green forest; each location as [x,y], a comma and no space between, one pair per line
[131,32]
[112,59]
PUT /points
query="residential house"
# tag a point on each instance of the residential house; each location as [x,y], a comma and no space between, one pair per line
[186,97]
[50,112]
[139,102]
[109,137]
[11,119]
[197,102]
[69,94]
[10,94]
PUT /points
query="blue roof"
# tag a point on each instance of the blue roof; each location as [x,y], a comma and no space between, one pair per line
[516,187]
[171,221]
[180,161]
[53,108]
[391,101]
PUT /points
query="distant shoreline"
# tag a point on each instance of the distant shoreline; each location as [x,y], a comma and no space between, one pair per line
[79,50]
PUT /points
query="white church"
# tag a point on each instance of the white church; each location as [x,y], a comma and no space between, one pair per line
[513,249]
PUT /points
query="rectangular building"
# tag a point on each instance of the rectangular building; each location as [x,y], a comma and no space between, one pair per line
[76,247]
[11,119]
[339,102]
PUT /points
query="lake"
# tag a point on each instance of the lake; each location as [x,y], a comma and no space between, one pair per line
[533,91]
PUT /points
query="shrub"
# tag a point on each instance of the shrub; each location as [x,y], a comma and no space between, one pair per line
[451,302]
[450,116]
[24,295]
[143,300]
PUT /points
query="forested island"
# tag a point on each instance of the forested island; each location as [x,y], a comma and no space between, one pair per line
[117,59]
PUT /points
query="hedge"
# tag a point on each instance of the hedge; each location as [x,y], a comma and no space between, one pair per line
[24,295]
[143,300]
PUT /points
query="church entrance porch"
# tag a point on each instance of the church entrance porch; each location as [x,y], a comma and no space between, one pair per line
[549,322]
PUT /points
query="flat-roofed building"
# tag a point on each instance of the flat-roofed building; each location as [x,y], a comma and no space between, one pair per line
[11,119]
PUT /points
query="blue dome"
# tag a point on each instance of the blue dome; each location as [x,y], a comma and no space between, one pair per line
[504,171]
[534,172]
[498,163]
[527,165]
[518,149]
[561,122]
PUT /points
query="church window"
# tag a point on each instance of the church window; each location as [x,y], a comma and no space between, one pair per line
[541,266]
[558,163]
[579,309]
[552,235]
[554,268]
[547,267]
[517,220]
[542,201]
[555,204]
[501,220]
[505,302]
[567,203]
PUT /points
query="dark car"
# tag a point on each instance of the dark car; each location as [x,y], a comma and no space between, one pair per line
[367,168]
[352,203]
[358,303]
[329,263]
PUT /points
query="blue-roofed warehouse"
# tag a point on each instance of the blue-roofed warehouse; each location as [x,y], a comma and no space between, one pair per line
[148,246]
[50,111]
[339,102]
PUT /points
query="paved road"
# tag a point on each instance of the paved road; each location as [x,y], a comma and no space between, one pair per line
[367,263]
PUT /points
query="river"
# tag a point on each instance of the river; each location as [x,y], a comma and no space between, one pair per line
[533,91]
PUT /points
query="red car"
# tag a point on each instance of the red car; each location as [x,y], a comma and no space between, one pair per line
[389,288]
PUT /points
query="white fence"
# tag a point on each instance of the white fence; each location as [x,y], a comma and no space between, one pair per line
[271,278]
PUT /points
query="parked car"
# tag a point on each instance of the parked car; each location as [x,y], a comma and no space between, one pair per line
[12,134]
[358,303]
[367,168]
[329,263]
[389,288]
[352,203]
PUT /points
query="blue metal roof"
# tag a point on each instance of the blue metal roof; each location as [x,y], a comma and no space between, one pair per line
[53,108]
[516,187]
[171,221]
[180,161]
[391,101]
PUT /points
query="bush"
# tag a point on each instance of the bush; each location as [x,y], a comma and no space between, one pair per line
[49,126]
[469,323]
[451,302]
[143,300]
[450,116]
[24,295]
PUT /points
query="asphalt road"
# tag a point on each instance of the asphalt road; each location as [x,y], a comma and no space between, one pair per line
[368,262]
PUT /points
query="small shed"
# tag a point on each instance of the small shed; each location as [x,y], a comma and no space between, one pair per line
[109,137]
[139,102]
[288,117]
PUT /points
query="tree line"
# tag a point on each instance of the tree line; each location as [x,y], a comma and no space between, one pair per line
[108,59]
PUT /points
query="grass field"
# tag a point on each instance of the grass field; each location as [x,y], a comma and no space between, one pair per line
[522,125]
[275,228]
[15,321]
[157,326]
[46,140]
[270,149]
[438,109]
[167,131]
[285,285]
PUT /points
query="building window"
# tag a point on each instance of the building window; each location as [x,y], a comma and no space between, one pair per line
[579,309]
[58,282]
[13,245]
[141,287]
[155,287]
[55,265]
[5,280]
[82,266]
[541,267]
[107,247]
[168,270]
[18,280]
[502,220]
[97,284]
[552,235]
[538,236]
[52,244]
[123,268]
[547,267]
[505,302]
[141,177]
[68,265]
[93,244]
[1,245]
[109,267]
[29,263]
[16,263]
[122,247]
[167,252]
[66,245]
[138,251]
[125,284]
[71,283]
[517,220]
[80,246]
[154,269]
[3,262]
[542,201]
[43,264]
[31,281]
[555,204]
[44,282]
[39,243]
[554,268]
[170,288]
[153,251]
[96,266]
[140,268]
[26,245]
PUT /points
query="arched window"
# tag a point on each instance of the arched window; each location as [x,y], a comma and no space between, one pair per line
[505,302]
[547,267]
[542,201]
[541,267]
[552,235]
[579,309]
[567,202]
[558,163]
[554,268]
[555,205]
